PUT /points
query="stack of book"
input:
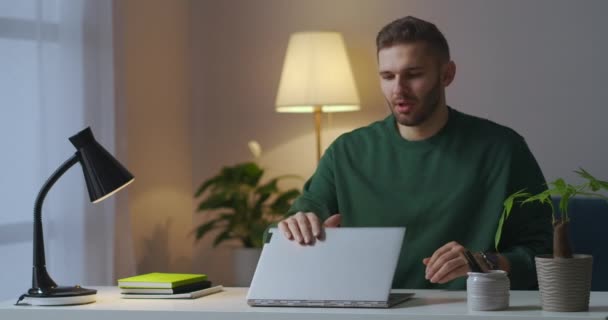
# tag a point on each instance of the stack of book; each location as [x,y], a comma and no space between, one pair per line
[158,285]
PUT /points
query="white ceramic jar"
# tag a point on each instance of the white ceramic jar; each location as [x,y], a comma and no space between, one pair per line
[488,291]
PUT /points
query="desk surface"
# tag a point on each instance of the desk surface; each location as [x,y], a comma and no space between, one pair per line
[231,304]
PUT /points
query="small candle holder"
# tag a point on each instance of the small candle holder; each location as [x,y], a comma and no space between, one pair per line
[488,291]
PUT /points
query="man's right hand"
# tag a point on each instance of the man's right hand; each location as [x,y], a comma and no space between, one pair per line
[305,227]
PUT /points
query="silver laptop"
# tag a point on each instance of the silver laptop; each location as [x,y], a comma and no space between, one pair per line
[350,267]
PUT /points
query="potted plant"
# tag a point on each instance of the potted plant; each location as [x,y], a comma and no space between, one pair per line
[241,207]
[564,278]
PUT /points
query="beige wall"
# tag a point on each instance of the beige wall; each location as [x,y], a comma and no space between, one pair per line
[155,63]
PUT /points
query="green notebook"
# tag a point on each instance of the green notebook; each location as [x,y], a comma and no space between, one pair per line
[160,280]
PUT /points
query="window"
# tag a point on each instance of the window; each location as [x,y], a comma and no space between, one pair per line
[56,78]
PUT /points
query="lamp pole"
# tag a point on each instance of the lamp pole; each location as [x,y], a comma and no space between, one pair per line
[317,117]
[41,281]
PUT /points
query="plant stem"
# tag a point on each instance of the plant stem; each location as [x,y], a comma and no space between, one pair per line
[561,239]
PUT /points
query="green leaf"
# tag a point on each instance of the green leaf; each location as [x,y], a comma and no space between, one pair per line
[263,192]
[203,229]
[498,235]
[215,201]
[283,202]
[225,235]
[507,207]
[247,173]
[207,184]
[226,216]
[231,179]
[542,197]
[560,185]
[268,188]
[510,201]
[597,195]
[583,173]
[594,183]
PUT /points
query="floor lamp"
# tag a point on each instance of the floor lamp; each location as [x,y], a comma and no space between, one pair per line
[316,78]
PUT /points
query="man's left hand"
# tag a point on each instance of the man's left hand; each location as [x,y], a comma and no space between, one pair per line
[446,264]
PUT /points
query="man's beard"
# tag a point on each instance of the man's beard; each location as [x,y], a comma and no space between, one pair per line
[428,105]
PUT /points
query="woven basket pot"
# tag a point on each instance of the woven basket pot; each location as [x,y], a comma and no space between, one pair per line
[564,284]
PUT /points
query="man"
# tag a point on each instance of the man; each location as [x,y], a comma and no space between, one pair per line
[441,173]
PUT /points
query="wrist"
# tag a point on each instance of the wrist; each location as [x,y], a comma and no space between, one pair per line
[491,260]
[504,263]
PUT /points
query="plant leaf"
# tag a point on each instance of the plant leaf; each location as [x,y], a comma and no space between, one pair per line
[268,188]
[541,197]
[498,235]
[215,201]
[589,194]
[262,193]
[507,207]
[207,184]
[560,185]
[248,173]
[283,202]
[594,183]
[203,229]
[510,201]
[225,235]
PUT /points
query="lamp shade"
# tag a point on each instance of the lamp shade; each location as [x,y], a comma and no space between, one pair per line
[316,73]
[103,174]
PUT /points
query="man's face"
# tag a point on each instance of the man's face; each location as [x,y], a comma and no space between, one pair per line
[410,81]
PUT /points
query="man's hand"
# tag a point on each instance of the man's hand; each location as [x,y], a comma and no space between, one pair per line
[305,227]
[446,264]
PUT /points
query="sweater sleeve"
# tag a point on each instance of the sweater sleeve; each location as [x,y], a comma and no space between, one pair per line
[528,230]
[319,194]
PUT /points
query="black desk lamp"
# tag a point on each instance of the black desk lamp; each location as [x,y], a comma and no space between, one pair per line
[104,176]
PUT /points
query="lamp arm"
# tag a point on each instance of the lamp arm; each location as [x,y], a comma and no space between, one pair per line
[40,277]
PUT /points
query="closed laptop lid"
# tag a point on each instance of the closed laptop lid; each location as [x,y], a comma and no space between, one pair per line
[354,264]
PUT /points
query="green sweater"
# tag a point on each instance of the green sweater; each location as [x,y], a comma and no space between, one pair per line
[449,187]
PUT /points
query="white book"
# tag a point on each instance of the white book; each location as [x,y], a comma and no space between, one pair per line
[188,295]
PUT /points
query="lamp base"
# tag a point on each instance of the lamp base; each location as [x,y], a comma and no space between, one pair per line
[60,296]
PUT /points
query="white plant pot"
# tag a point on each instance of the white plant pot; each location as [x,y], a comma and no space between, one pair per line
[245,262]
[564,284]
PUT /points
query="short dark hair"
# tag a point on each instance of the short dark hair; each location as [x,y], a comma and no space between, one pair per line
[411,29]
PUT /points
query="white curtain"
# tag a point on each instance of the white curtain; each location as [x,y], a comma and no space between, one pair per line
[57,78]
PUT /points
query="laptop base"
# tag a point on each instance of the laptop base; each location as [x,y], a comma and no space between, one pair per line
[393,299]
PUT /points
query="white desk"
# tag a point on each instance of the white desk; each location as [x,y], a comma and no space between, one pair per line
[231,304]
